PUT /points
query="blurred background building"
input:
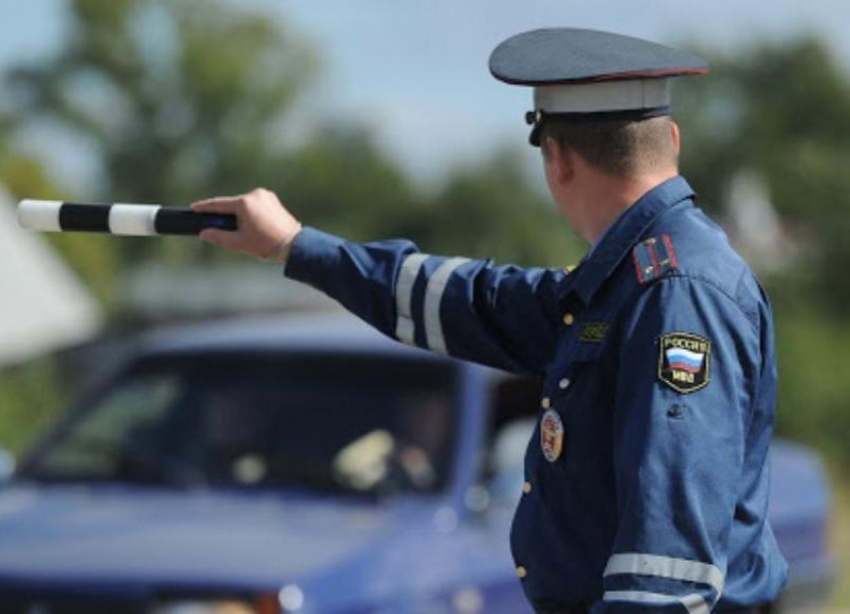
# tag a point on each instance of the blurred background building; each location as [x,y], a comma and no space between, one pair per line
[381,120]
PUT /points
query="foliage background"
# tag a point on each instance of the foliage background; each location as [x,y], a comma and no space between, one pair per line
[182,119]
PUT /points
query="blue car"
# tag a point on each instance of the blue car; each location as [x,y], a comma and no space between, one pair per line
[302,465]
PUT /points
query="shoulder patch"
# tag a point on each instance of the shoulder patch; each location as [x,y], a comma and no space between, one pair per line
[653,258]
[684,361]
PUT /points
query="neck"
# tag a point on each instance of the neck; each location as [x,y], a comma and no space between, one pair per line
[603,200]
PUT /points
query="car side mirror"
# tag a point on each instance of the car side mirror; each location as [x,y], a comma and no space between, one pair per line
[7,464]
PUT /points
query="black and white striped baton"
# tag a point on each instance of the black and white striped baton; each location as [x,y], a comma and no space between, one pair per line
[118,218]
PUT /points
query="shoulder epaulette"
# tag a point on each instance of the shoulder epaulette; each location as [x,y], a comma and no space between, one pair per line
[653,258]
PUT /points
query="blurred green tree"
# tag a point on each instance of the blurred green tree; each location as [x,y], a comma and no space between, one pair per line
[341,181]
[783,111]
[491,210]
[173,100]
[175,103]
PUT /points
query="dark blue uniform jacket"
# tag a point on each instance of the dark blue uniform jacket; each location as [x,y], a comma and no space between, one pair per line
[647,480]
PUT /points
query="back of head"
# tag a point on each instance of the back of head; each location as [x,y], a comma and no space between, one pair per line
[621,148]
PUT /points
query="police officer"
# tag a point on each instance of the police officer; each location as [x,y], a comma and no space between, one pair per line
[647,478]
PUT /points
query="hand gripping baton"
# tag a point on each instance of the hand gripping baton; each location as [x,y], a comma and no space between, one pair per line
[118,218]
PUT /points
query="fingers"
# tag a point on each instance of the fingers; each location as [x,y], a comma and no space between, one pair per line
[221,238]
[221,204]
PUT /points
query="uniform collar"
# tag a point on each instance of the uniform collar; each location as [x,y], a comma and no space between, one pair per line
[624,233]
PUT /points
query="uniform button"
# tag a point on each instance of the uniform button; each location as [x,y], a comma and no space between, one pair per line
[569,319]
[564,383]
[521,572]
[545,402]
[526,487]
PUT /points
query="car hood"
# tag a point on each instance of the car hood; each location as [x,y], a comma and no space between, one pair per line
[84,534]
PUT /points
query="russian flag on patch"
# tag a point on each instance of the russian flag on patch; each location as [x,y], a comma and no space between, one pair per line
[685,360]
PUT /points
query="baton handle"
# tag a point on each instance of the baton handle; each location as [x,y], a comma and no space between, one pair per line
[118,218]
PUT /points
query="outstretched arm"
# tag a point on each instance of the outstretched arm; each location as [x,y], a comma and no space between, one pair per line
[507,317]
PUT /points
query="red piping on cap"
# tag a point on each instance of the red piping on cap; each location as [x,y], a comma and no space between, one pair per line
[620,76]
[651,74]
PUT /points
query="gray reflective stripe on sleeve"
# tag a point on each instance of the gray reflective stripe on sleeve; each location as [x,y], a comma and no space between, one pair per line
[666,567]
[410,267]
[135,220]
[433,299]
[694,604]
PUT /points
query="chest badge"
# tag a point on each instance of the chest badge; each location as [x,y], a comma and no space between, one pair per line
[593,332]
[684,362]
[551,435]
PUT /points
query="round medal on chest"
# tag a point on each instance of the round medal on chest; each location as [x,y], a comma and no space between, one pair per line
[551,435]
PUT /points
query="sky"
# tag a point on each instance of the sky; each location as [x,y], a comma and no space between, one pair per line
[416,73]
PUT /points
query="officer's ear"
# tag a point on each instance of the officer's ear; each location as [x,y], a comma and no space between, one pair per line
[559,161]
[676,137]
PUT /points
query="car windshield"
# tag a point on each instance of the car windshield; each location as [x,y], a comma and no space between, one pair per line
[366,424]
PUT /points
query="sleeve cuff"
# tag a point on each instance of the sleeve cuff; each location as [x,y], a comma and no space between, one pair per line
[313,254]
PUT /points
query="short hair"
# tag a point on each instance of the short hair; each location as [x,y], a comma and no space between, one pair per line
[622,148]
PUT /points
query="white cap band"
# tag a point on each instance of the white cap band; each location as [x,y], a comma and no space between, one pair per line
[602,97]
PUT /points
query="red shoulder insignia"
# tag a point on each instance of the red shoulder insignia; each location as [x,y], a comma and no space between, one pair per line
[653,258]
